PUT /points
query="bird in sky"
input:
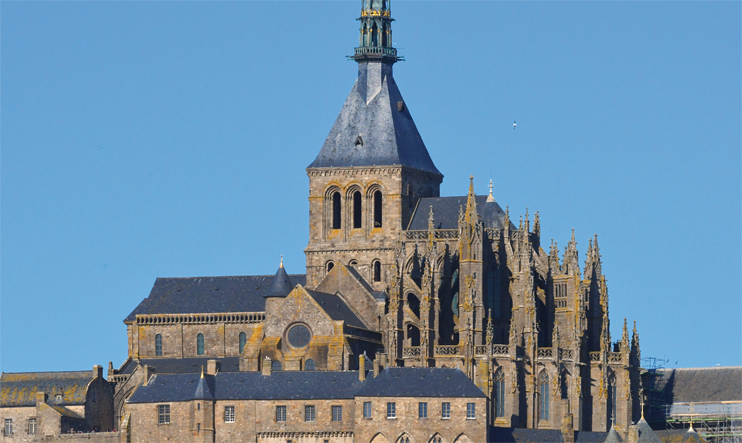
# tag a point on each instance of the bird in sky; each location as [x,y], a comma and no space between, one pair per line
[514,125]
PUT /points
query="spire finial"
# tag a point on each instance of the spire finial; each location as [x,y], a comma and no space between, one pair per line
[375,42]
[490,198]
[281,264]
[202,371]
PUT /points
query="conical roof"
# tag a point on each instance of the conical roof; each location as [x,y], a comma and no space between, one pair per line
[203,390]
[281,284]
[613,436]
[646,433]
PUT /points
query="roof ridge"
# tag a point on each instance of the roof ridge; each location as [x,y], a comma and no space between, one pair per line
[48,372]
[706,367]
[222,276]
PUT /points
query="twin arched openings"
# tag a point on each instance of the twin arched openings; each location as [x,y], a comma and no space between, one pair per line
[356,205]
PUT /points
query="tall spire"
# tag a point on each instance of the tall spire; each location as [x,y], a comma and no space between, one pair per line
[375,41]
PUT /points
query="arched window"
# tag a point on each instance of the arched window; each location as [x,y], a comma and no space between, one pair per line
[309,365]
[544,390]
[200,344]
[276,366]
[243,340]
[377,209]
[383,35]
[330,265]
[357,210]
[353,263]
[499,393]
[404,439]
[413,335]
[336,216]
[377,270]
[374,35]
[611,399]
[436,439]
[158,345]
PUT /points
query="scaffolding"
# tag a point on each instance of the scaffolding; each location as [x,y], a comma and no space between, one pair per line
[654,391]
[715,422]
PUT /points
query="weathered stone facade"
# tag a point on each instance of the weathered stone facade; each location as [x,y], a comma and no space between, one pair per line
[406,278]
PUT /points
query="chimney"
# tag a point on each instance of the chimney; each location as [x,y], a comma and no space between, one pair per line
[362,367]
[97,371]
[40,397]
[148,372]
[213,366]
[267,366]
[376,366]
[383,362]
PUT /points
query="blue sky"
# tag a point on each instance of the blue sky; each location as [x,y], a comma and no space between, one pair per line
[145,139]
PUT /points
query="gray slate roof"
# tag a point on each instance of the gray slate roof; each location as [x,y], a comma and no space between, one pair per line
[205,295]
[19,389]
[297,385]
[446,213]
[703,384]
[378,295]
[646,433]
[389,136]
[181,365]
[522,435]
[420,382]
[337,309]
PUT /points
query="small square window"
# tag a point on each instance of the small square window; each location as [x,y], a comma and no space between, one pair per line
[163,414]
[446,410]
[280,413]
[422,410]
[337,413]
[309,413]
[391,410]
[470,411]
[366,409]
[229,414]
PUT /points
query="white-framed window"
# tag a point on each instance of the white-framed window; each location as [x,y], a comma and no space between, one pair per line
[366,409]
[280,413]
[309,413]
[422,409]
[32,426]
[391,410]
[337,413]
[470,411]
[446,410]
[229,414]
[8,430]
[163,414]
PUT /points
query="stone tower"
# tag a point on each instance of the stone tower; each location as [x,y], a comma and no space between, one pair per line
[372,169]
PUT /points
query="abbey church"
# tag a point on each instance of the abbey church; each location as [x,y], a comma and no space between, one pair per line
[408,278]
[399,280]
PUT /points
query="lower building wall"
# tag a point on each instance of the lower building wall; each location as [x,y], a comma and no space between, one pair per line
[455,429]
[256,420]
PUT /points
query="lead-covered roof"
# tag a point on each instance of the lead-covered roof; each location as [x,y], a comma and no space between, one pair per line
[207,295]
[713,384]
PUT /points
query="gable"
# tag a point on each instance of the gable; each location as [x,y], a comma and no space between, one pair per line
[354,290]
[298,307]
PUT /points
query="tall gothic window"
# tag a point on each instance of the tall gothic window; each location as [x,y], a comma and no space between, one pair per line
[377,209]
[357,210]
[377,271]
[158,345]
[243,340]
[200,344]
[544,390]
[336,217]
[499,393]
[611,399]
